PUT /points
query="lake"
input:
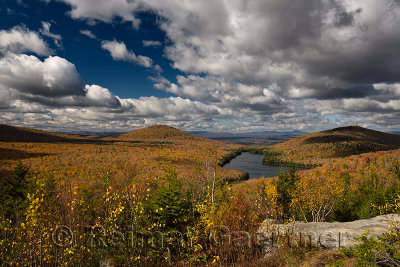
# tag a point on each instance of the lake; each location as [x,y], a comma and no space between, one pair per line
[252,164]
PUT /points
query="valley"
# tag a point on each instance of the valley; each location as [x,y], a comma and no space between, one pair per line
[161,179]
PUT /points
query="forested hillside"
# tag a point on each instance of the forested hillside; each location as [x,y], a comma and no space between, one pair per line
[162,180]
[157,132]
[19,134]
[322,147]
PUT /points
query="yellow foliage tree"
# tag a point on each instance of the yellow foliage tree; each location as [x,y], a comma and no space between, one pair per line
[316,195]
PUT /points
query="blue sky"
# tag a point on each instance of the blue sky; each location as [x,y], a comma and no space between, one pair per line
[91,61]
[217,65]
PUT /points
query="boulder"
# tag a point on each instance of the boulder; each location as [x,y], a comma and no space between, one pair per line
[330,235]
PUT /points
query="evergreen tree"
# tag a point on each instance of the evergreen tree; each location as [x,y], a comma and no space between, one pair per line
[172,206]
[15,191]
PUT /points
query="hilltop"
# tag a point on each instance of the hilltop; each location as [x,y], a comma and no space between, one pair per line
[154,133]
[335,143]
[10,133]
[385,141]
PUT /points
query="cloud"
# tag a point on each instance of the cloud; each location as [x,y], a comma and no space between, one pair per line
[19,39]
[88,34]
[325,57]
[132,113]
[51,93]
[45,31]
[390,90]
[104,10]
[247,64]
[119,51]
[321,49]
[53,82]
[148,43]
[225,94]
[54,76]
[96,94]
[170,109]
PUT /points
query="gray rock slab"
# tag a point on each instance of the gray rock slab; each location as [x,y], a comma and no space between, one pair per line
[330,235]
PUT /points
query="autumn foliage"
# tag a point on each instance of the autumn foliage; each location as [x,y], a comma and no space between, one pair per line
[161,180]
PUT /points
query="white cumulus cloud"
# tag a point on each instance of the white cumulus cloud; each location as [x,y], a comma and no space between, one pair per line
[104,10]
[19,39]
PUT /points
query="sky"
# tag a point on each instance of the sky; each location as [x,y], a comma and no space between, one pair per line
[213,65]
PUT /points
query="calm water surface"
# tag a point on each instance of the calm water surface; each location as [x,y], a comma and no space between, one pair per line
[252,164]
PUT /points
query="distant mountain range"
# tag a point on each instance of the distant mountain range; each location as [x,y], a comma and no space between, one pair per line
[246,138]
[12,133]
[250,138]
[244,134]
[163,132]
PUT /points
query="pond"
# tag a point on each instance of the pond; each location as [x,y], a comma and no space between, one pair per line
[252,164]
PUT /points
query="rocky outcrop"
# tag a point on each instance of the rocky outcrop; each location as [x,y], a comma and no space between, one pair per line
[324,234]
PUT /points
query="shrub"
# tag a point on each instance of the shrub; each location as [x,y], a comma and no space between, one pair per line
[285,187]
[375,251]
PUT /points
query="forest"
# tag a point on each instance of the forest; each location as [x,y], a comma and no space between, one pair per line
[160,196]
